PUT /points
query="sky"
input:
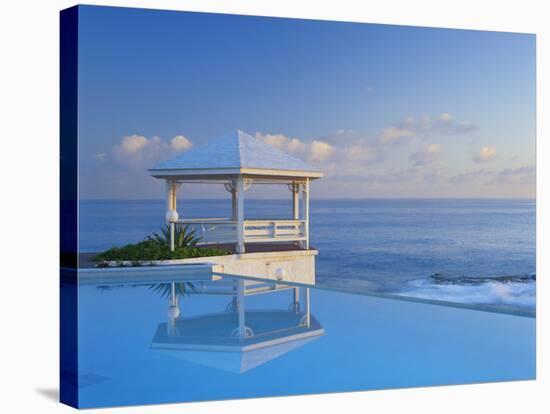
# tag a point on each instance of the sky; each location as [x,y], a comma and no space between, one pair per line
[384,111]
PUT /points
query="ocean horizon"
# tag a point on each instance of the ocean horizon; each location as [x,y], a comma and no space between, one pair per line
[477,252]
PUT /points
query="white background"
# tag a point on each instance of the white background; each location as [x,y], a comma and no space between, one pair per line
[29,127]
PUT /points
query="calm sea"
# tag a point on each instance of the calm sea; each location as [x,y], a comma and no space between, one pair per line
[478,252]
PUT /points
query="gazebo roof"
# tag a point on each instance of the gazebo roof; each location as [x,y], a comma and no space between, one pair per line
[234,154]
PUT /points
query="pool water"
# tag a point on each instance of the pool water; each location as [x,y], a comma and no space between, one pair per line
[133,350]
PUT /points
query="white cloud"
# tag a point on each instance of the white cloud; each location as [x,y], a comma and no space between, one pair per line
[354,164]
[406,128]
[522,175]
[315,151]
[412,127]
[395,133]
[292,146]
[433,148]
[509,176]
[277,140]
[132,144]
[478,177]
[485,154]
[427,155]
[180,143]
[343,153]
[445,117]
[446,124]
[138,149]
[358,152]
[295,146]
[320,151]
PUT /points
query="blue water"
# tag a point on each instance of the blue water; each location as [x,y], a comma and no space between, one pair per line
[477,252]
[360,343]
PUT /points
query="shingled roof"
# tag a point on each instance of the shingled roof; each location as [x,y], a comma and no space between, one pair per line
[235,153]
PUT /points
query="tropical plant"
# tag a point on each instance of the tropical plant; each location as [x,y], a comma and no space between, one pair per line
[183,236]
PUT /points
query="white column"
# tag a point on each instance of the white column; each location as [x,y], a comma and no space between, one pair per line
[172,236]
[171,208]
[172,224]
[175,186]
[240,214]
[168,197]
[234,204]
[296,201]
[305,214]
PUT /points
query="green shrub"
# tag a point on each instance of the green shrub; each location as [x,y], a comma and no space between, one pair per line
[153,250]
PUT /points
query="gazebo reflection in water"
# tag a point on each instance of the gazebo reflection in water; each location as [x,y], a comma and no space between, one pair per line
[267,255]
[235,339]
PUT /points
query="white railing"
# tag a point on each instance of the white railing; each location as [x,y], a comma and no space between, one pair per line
[218,230]
[274,230]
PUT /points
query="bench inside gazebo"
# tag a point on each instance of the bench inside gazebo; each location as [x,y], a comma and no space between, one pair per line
[236,162]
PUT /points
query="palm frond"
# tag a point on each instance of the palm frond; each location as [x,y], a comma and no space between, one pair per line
[183,236]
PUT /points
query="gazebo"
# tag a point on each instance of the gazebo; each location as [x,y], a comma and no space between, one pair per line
[238,161]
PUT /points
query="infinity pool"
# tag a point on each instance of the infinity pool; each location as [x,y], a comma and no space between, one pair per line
[132,349]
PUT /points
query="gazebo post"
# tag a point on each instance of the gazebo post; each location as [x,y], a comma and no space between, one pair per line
[233,201]
[172,224]
[295,200]
[231,187]
[171,209]
[305,215]
[240,213]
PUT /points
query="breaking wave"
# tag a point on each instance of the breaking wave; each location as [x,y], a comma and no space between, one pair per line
[508,291]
